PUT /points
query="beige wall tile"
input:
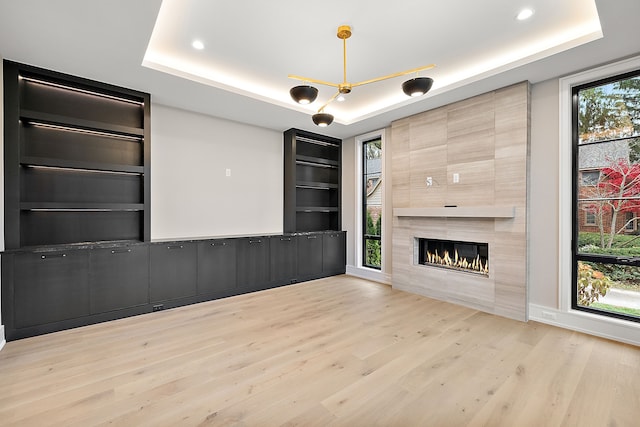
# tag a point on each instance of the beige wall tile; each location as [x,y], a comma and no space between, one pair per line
[485,140]
[470,148]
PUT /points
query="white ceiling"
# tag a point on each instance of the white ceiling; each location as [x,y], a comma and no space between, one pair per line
[251,46]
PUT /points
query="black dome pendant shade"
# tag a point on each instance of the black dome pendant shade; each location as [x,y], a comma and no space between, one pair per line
[304,94]
[322,119]
[418,86]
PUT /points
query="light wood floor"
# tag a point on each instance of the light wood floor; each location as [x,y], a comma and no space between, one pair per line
[338,351]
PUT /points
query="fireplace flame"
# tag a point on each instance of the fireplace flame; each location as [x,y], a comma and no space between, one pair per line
[446,260]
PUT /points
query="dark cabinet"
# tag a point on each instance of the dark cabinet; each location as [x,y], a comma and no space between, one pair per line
[312,182]
[216,266]
[333,253]
[63,287]
[50,287]
[253,263]
[119,278]
[309,256]
[284,256]
[172,271]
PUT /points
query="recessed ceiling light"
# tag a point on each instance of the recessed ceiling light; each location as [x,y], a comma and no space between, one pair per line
[524,14]
[197,44]
[340,98]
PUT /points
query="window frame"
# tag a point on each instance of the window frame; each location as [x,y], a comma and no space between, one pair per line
[365,238]
[586,222]
[360,269]
[630,224]
[576,183]
[589,183]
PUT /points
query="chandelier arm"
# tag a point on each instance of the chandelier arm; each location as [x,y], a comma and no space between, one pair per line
[307,79]
[390,76]
[328,102]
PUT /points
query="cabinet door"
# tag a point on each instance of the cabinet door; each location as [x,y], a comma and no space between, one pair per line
[253,263]
[216,266]
[50,287]
[309,256]
[172,271]
[334,253]
[284,256]
[119,278]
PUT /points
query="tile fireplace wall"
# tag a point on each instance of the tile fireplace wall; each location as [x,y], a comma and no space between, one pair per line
[485,140]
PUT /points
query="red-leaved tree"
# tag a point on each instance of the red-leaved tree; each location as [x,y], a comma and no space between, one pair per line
[617,191]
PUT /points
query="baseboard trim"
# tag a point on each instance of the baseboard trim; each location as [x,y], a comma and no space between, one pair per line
[592,324]
[369,274]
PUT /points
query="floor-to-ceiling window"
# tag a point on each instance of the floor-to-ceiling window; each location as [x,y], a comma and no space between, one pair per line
[372,203]
[606,194]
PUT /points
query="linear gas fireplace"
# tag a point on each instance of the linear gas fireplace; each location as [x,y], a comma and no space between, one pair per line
[468,257]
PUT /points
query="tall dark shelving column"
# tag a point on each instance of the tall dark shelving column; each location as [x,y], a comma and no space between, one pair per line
[77,160]
[312,182]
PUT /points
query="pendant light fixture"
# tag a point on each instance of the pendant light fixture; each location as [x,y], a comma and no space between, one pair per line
[322,119]
[418,86]
[306,94]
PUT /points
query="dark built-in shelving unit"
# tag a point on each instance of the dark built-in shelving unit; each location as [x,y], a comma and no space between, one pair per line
[77,229]
[312,182]
[76,160]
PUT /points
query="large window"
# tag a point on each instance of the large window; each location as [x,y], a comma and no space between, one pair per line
[372,203]
[606,250]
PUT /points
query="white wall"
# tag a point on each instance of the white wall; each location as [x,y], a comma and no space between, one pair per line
[543,195]
[191,196]
[349,198]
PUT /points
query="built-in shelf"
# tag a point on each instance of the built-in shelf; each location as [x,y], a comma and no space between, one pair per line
[312,178]
[316,185]
[45,162]
[76,123]
[76,159]
[316,161]
[316,209]
[70,207]
[458,212]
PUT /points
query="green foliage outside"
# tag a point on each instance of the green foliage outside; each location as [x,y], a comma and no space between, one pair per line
[622,276]
[610,106]
[619,241]
[592,284]
[373,252]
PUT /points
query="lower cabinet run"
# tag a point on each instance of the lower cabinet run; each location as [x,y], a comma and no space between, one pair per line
[54,288]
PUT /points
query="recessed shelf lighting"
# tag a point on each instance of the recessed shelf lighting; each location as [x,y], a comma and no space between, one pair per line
[77,89]
[197,44]
[524,14]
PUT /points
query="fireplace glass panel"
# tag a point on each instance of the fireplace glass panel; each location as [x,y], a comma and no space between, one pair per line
[469,257]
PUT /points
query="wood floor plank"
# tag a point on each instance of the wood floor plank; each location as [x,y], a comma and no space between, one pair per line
[340,351]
